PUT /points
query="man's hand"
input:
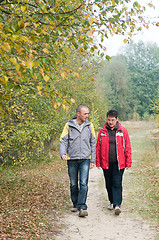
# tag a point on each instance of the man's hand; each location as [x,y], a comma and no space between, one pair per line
[91,165]
[64,157]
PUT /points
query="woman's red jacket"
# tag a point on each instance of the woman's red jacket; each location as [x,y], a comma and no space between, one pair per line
[123,146]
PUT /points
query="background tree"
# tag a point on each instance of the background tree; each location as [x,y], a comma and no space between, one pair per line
[129,83]
[142,62]
[113,84]
[36,40]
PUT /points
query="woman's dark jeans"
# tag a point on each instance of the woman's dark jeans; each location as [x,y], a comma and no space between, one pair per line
[113,181]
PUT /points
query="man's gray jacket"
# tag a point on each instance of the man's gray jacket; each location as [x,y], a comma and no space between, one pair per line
[76,144]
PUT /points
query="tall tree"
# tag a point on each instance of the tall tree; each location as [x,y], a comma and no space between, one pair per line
[142,61]
[37,35]
[113,84]
[36,39]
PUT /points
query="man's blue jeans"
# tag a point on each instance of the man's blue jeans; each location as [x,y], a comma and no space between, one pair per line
[113,180]
[78,171]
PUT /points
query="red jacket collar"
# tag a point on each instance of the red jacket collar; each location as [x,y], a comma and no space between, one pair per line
[119,129]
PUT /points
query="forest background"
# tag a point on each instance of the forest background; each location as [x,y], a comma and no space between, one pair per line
[51,62]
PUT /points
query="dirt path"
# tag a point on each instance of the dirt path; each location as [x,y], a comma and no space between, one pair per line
[102,224]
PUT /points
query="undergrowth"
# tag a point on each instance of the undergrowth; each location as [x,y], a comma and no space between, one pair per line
[142,183]
[31,196]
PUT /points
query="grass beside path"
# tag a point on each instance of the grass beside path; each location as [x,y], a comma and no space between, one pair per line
[142,183]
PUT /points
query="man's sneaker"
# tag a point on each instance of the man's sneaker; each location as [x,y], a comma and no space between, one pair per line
[74,209]
[83,213]
[110,206]
[117,210]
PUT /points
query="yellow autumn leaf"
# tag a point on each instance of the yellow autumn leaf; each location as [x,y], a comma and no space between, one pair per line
[17,66]
[29,63]
[46,94]
[64,107]
[119,29]
[125,41]
[5,80]
[63,74]
[56,105]
[9,30]
[89,34]
[76,74]
[67,50]
[39,88]
[46,78]
[2,112]
[36,25]
[7,45]
[20,51]
[1,25]
[45,50]
[59,94]
[150,5]
[23,64]
[25,38]
[53,24]
[9,73]
[113,2]
[72,100]
[92,30]
[114,30]
[80,50]
[19,73]
[92,19]
[75,88]
[13,60]
[3,47]
[64,100]
[42,71]
[23,8]
[40,93]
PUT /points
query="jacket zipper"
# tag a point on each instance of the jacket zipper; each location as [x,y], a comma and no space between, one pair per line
[117,151]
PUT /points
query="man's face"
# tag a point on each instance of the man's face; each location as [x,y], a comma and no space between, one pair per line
[112,121]
[83,115]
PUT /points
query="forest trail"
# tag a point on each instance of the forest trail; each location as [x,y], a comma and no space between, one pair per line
[102,224]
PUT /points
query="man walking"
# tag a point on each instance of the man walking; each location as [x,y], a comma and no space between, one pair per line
[113,155]
[78,148]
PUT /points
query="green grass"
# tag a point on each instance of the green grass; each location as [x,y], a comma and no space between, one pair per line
[142,183]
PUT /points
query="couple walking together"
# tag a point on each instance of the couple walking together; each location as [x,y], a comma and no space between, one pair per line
[112,153]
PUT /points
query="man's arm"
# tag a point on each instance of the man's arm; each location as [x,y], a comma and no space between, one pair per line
[64,143]
[93,145]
